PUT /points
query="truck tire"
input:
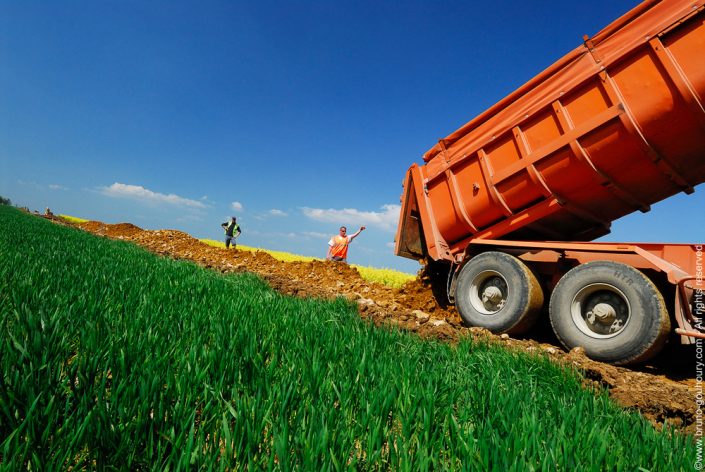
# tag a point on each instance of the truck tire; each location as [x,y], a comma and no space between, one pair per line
[498,292]
[611,310]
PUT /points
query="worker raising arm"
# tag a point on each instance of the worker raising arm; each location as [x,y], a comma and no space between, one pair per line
[338,245]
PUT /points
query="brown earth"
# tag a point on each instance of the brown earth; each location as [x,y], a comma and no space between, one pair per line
[663,391]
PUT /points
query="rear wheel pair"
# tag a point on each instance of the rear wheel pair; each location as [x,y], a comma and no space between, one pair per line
[498,292]
[611,310]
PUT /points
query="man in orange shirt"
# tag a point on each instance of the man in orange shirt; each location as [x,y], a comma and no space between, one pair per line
[338,245]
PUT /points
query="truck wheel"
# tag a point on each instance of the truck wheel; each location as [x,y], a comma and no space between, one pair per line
[611,310]
[498,292]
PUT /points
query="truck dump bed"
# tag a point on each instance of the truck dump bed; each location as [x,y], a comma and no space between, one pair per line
[614,126]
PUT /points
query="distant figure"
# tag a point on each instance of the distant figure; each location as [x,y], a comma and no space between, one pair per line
[232,231]
[338,245]
[48,212]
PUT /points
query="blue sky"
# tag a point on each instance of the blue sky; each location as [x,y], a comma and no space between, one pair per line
[295,116]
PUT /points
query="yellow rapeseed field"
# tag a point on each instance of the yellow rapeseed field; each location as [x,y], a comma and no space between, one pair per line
[72,219]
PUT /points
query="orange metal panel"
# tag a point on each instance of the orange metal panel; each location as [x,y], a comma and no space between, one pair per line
[614,126]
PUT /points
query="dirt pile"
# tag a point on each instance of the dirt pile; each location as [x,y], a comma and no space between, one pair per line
[664,392]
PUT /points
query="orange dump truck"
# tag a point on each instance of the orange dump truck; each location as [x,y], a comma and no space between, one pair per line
[502,210]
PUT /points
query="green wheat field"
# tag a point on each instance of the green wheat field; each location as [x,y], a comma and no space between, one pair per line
[112,358]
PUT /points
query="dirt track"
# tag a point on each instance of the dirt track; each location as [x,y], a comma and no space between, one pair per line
[663,395]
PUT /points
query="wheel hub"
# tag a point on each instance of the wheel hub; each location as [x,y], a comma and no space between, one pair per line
[491,294]
[488,292]
[600,310]
[602,313]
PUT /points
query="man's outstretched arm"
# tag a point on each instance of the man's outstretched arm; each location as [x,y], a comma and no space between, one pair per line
[353,236]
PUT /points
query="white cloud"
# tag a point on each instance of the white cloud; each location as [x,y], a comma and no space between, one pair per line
[275,212]
[317,235]
[186,218]
[39,186]
[31,184]
[237,206]
[386,219]
[137,192]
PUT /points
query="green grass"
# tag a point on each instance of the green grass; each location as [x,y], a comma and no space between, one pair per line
[113,358]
